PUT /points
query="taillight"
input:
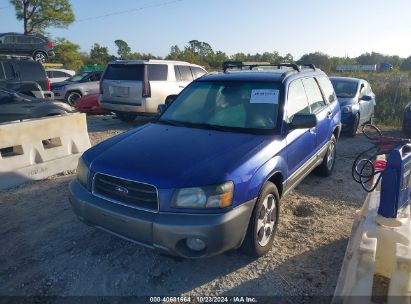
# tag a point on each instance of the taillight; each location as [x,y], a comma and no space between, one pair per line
[146,83]
[48,84]
[51,45]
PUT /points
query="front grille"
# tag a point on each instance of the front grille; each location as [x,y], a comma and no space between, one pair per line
[125,192]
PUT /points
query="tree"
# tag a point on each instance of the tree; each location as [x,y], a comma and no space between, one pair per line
[406,65]
[38,15]
[124,51]
[99,54]
[319,59]
[68,54]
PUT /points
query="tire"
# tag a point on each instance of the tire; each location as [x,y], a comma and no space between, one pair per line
[327,165]
[353,130]
[40,57]
[72,97]
[265,216]
[126,117]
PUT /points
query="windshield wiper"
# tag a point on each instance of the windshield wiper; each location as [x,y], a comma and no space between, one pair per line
[171,122]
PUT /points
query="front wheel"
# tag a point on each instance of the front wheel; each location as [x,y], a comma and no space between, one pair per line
[263,223]
[327,166]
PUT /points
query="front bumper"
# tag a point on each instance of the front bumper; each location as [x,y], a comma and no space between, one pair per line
[164,230]
[347,121]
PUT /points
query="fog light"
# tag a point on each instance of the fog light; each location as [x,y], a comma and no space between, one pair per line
[195,244]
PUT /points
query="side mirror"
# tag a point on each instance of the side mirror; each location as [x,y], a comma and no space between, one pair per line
[161,108]
[304,121]
[366,98]
[169,100]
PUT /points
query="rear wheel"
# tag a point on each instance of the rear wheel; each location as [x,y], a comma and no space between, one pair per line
[263,223]
[72,97]
[327,166]
[40,57]
[126,117]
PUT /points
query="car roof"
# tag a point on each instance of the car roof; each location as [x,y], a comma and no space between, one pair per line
[274,75]
[348,79]
[153,61]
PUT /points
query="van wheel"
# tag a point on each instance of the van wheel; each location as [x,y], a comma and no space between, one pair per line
[72,97]
[327,166]
[263,223]
[40,57]
[126,117]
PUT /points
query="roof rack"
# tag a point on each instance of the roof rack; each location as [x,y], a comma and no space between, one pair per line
[229,65]
[10,56]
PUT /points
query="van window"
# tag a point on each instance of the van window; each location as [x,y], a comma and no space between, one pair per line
[157,72]
[183,73]
[133,72]
[197,72]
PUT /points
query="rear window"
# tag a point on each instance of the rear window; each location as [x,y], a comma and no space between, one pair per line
[125,72]
[31,71]
[157,72]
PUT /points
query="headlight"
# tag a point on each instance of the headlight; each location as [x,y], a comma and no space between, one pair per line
[217,196]
[82,172]
[346,109]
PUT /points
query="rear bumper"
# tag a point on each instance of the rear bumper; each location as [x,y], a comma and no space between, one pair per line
[118,107]
[164,231]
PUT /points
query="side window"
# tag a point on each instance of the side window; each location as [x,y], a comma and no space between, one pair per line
[362,89]
[315,98]
[2,39]
[197,72]
[328,89]
[8,70]
[50,74]
[368,90]
[2,74]
[58,74]
[185,73]
[9,39]
[23,40]
[157,72]
[297,100]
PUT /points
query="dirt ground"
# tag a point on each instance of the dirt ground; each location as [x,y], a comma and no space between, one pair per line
[46,251]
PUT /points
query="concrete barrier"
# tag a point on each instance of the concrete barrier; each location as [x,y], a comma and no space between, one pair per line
[378,248]
[39,148]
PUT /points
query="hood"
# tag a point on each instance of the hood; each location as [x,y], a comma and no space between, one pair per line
[171,157]
[346,101]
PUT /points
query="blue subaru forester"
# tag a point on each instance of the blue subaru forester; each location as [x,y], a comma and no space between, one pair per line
[208,175]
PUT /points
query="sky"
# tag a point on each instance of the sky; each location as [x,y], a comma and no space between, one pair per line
[335,27]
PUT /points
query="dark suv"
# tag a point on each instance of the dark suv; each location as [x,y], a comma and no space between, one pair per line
[24,75]
[208,175]
[34,45]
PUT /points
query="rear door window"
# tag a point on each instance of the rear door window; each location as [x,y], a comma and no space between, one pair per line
[328,89]
[125,72]
[9,39]
[157,72]
[315,98]
[183,73]
[23,40]
[6,71]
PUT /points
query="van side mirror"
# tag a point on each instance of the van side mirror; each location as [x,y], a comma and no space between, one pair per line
[304,121]
[366,98]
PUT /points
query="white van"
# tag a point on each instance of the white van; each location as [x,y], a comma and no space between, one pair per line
[129,87]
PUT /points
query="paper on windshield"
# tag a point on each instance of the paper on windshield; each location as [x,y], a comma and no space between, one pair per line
[265,96]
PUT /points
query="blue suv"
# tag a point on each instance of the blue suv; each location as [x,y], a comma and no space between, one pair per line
[208,175]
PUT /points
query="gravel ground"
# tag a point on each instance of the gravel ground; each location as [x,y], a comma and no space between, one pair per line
[46,251]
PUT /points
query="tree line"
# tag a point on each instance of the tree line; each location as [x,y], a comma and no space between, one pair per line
[39,15]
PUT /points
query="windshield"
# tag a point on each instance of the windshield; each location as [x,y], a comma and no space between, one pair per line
[236,106]
[78,77]
[345,88]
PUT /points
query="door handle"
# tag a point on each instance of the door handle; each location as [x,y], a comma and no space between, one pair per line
[329,115]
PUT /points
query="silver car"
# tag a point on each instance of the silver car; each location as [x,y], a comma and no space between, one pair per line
[138,86]
[79,85]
